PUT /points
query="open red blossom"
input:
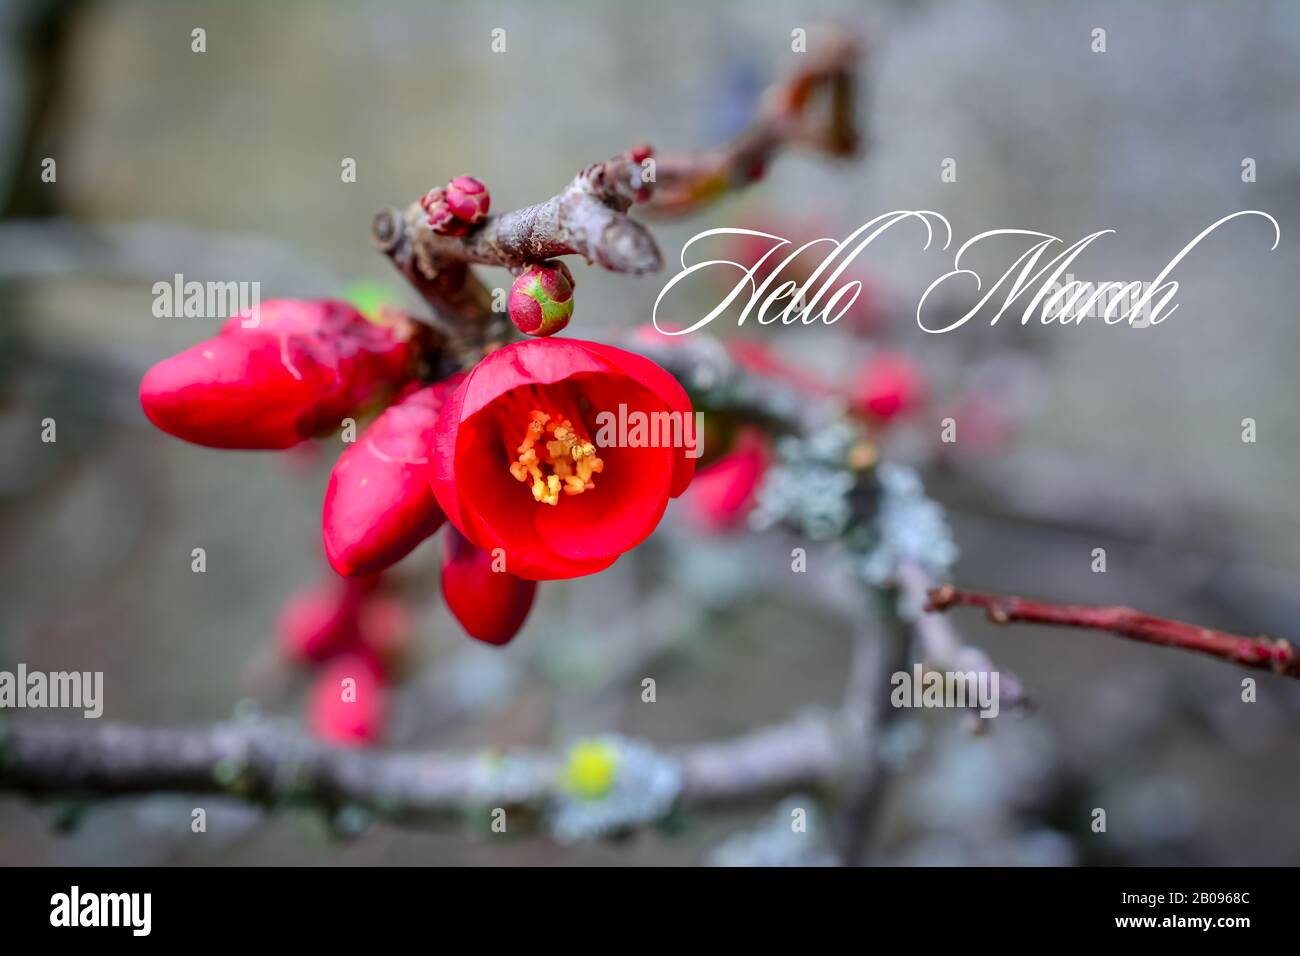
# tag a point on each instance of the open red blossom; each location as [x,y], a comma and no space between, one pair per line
[379,504]
[296,373]
[526,459]
[490,603]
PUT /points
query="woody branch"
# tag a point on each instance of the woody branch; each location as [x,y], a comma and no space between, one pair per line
[1259,653]
[266,764]
[814,107]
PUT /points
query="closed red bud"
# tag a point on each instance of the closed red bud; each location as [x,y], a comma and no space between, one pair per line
[349,703]
[439,216]
[295,374]
[888,385]
[315,623]
[379,504]
[491,605]
[468,199]
[321,621]
[541,299]
[721,495]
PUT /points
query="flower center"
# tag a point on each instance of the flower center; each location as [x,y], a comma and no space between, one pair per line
[555,459]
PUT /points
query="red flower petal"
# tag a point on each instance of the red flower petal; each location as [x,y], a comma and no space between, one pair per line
[640,369]
[491,605]
[379,504]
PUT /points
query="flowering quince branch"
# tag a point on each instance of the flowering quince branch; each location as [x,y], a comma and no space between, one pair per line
[492,438]
[267,763]
[270,764]
[1259,653]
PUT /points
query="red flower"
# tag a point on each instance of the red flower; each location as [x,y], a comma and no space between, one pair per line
[490,604]
[349,705]
[379,504]
[516,466]
[297,373]
[722,494]
[887,386]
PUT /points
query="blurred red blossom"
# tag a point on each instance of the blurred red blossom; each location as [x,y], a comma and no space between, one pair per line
[721,495]
[886,386]
[349,703]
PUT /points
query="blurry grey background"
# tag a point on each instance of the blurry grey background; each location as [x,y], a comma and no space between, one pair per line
[225,165]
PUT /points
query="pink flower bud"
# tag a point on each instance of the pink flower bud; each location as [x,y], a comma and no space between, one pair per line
[349,704]
[320,621]
[468,199]
[491,605]
[541,299]
[439,215]
[315,623]
[887,386]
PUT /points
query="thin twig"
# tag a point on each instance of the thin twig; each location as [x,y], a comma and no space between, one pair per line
[786,116]
[1260,653]
[941,646]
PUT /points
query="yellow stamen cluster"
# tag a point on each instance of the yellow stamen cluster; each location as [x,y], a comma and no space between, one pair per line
[555,446]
